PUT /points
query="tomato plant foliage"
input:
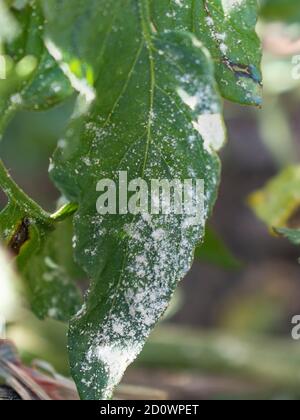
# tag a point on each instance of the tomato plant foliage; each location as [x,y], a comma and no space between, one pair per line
[149,76]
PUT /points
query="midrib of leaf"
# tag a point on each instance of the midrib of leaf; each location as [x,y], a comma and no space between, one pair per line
[146,32]
[146,25]
[146,35]
[120,96]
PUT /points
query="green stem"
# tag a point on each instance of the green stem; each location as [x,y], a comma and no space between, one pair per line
[15,193]
[6,117]
[65,212]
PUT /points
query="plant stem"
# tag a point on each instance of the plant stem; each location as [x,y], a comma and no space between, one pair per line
[16,194]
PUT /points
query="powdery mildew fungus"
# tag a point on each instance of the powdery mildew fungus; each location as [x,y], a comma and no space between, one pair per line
[230,5]
[115,360]
[208,120]
[209,124]
[235,48]
[156,261]
[156,251]
[55,276]
[179,2]
[212,130]
[220,38]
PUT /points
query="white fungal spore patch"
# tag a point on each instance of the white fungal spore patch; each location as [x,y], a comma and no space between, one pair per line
[212,130]
[190,100]
[115,359]
[155,261]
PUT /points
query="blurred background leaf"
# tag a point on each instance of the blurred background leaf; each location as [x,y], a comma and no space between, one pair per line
[288,10]
[215,251]
[228,333]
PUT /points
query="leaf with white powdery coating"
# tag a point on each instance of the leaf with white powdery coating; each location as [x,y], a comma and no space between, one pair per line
[227,29]
[155,113]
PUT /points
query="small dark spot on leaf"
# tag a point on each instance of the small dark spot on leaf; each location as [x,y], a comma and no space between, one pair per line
[20,236]
[242,70]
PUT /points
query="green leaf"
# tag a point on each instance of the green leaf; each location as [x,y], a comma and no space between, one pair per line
[216,252]
[43,253]
[154,112]
[288,10]
[33,80]
[278,203]
[227,29]
[50,273]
